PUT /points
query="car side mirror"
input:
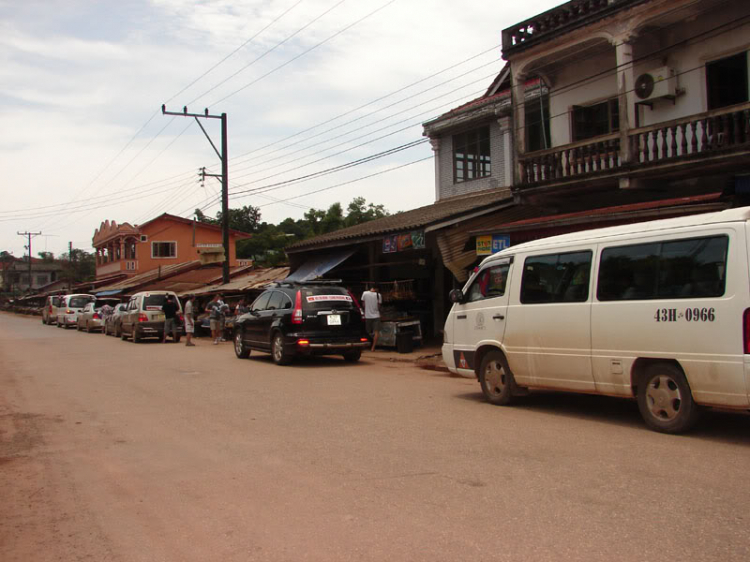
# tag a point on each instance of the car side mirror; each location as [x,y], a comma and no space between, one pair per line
[456,296]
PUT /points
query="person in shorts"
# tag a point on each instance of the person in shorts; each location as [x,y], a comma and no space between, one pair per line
[170,309]
[189,321]
[214,309]
[371,300]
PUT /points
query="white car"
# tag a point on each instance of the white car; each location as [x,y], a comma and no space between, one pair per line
[70,307]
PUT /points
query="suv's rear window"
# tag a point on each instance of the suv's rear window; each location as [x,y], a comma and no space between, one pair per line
[79,302]
[325,298]
[154,302]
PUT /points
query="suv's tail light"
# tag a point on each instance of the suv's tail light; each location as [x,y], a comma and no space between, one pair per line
[142,317]
[97,316]
[69,311]
[356,302]
[746,330]
[181,317]
[297,312]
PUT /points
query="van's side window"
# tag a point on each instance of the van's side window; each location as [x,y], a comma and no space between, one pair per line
[490,283]
[677,269]
[556,278]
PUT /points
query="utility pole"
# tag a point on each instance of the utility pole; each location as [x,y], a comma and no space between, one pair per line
[29,235]
[224,176]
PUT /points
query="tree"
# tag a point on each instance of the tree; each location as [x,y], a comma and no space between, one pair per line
[6,259]
[359,211]
[78,265]
[244,219]
[47,256]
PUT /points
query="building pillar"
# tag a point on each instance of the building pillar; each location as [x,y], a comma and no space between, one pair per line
[507,139]
[626,98]
[435,143]
[518,92]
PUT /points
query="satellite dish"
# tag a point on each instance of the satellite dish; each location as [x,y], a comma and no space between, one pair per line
[644,86]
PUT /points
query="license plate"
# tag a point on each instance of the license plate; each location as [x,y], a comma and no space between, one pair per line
[158,318]
[334,320]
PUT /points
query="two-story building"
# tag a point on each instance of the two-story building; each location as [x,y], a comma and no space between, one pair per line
[640,94]
[164,240]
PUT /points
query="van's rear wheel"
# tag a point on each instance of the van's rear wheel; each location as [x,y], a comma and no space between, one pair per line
[496,379]
[665,400]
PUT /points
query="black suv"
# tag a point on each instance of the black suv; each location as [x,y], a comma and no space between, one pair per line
[290,319]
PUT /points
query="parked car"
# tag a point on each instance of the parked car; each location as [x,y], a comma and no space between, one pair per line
[112,322]
[291,319]
[143,317]
[49,312]
[70,307]
[92,319]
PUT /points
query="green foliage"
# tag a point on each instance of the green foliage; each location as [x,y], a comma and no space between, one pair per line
[47,256]
[266,247]
[78,266]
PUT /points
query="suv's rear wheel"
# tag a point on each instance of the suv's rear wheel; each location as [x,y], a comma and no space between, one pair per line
[241,350]
[352,356]
[136,335]
[123,335]
[280,357]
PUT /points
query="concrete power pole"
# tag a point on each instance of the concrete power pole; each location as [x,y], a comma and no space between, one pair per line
[29,235]
[224,176]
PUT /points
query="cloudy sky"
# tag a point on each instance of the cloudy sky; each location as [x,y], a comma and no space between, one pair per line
[308,86]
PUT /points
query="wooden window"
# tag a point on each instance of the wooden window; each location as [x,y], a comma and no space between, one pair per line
[471,155]
[596,120]
[163,249]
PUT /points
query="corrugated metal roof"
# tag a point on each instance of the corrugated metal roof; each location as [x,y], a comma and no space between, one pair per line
[165,271]
[253,280]
[422,217]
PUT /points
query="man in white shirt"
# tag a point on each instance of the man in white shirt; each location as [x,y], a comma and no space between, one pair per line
[371,300]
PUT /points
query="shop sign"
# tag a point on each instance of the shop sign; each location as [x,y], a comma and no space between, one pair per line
[400,242]
[484,245]
[491,244]
[500,243]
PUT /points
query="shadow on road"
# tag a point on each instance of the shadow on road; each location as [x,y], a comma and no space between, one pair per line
[713,425]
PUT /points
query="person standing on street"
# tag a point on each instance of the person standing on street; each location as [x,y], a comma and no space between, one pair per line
[372,300]
[189,321]
[170,309]
[214,315]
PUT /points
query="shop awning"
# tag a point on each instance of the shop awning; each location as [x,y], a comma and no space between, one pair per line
[109,293]
[316,266]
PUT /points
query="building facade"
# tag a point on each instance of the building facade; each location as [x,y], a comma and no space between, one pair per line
[165,240]
[640,94]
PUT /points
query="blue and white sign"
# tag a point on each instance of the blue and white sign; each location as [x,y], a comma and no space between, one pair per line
[499,243]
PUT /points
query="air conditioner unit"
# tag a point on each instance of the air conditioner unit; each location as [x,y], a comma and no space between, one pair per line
[655,84]
[144,238]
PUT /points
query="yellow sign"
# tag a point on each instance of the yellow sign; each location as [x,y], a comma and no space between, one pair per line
[484,245]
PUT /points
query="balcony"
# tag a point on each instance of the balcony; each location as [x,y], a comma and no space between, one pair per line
[556,21]
[710,140]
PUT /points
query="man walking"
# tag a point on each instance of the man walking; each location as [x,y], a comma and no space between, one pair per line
[371,300]
[189,321]
[170,309]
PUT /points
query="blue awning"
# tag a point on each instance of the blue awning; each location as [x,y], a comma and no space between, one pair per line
[318,265]
[108,293]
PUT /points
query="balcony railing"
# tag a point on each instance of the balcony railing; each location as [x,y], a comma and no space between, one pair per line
[566,17]
[693,138]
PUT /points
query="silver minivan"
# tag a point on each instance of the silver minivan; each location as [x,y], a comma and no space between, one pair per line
[70,307]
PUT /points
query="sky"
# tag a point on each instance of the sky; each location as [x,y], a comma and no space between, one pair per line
[315,91]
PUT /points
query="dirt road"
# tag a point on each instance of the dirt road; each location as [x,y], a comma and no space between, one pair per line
[115,451]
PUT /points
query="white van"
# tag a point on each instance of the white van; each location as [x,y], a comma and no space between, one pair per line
[70,307]
[658,311]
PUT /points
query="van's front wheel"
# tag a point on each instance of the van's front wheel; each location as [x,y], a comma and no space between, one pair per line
[665,400]
[496,379]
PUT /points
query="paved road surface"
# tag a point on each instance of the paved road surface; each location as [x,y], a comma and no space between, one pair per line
[111,451]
